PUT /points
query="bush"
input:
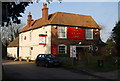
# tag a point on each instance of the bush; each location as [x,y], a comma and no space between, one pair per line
[63,55]
[92,59]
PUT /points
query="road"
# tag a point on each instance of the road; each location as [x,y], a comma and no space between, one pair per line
[24,70]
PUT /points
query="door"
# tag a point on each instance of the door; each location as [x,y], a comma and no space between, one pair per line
[79,51]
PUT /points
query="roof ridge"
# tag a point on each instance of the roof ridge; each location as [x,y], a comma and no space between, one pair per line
[73,14]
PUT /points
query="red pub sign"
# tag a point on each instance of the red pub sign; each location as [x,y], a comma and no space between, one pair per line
[54,50]
[75,33]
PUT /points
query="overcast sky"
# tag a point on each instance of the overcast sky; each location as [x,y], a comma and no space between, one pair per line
[104,13]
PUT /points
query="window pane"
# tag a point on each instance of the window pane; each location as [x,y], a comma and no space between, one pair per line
[61,32]
[62,49]
[89,33]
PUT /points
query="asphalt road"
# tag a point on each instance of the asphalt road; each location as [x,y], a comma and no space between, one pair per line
[24,70]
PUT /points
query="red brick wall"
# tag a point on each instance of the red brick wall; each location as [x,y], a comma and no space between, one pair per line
[56,41]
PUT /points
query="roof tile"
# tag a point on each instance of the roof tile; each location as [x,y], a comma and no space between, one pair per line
[61,18]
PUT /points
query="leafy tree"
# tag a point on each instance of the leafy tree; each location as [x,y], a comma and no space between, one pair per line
[116,36]
[110,45]
[13,10]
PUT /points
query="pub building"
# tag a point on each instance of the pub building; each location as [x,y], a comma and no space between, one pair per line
[60,33]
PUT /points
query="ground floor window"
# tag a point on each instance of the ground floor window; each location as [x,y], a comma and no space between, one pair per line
[62,49]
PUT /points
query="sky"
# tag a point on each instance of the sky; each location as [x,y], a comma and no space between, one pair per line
[104,13]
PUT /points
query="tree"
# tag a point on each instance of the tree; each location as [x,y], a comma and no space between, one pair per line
[110,46]
[116,36]
[13,10]
[10,12]
[8,34]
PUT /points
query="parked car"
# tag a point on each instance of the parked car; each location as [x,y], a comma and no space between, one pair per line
[47,60]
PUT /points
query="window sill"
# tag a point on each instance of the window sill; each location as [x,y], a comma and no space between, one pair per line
[61,38]
[89,39]
[62,53]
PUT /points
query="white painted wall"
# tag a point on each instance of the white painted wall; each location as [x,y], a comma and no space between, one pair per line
[12,52]
[25,45]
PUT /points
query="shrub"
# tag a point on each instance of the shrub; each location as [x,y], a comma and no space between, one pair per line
[63,55]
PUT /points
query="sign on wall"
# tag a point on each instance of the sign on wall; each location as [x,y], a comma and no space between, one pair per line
[42,40]
[24,37]
[74,33]
[54,50]
[72,51]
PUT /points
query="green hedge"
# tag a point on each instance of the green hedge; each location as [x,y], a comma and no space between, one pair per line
[63,55]
[92,59]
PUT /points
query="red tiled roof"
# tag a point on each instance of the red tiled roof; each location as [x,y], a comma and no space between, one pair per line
[61,18]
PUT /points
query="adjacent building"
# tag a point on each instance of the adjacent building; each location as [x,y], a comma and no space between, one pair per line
[13,48]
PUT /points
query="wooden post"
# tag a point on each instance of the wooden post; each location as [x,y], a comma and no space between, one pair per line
[72,61]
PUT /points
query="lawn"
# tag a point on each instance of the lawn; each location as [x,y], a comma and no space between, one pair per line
[105,68]
[91,63]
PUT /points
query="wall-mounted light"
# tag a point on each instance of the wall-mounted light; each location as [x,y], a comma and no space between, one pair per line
[80,42]
[76,27]
[55,27]
[96,29]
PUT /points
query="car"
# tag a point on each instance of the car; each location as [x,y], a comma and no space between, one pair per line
[47,60]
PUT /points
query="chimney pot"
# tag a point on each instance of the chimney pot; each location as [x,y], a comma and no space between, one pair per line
[45,12]
[29,18]
[29,13]
[45,5]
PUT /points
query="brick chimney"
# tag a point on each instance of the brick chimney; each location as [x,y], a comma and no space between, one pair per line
[29,18]
[45,12]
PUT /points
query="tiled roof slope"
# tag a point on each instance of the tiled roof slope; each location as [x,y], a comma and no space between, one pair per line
[14,43]
[61,18]
[73,20]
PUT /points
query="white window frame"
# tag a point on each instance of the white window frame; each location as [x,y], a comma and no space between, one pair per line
[65,48]
[61,32]
[86,33]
